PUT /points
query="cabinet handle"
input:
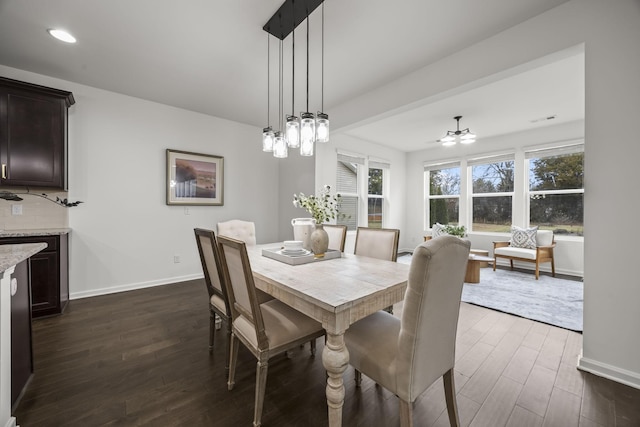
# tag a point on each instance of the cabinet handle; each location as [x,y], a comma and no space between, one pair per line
[4,171]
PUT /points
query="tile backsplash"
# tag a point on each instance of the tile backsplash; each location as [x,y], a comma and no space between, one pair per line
[37,212]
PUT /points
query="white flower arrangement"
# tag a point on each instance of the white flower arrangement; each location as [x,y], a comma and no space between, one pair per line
[322,207]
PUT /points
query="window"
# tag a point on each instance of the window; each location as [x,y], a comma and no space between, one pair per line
[443,194]
[375,194]
[556,189]
[492,193]
[348,170]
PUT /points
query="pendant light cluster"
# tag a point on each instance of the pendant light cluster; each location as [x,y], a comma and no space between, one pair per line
[305,131]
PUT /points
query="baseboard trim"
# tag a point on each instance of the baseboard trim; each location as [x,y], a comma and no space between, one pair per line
[11,422]
[132,286]
[632,379]
[544,268]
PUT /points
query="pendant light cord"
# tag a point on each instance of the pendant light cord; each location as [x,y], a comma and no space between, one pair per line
[307,58]
[293,57]
[322,84]
[268,82]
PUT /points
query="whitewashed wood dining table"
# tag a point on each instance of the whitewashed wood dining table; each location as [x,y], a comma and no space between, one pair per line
[336,292]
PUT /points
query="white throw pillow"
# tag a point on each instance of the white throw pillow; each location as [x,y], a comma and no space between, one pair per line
[523,237]
[438,230]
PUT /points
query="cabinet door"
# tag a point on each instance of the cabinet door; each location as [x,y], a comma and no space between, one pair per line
[32,139]
[45,284]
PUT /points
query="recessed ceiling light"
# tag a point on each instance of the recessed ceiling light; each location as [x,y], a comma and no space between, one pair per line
[62,35]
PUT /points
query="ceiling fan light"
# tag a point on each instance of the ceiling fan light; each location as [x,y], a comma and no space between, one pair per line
[322,127]
[448,143]
[267,139]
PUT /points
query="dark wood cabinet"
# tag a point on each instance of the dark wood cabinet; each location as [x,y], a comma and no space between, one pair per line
[21,345]
[49,273]
[33,134]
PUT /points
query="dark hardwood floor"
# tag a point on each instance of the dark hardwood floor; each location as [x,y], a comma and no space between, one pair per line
[141,358]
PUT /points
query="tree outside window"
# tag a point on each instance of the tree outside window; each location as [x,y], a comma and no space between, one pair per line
[492,196]
[444,195]
[556,192]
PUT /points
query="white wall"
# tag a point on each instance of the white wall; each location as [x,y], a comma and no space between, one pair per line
[326,161]
[569,252]
[124,236]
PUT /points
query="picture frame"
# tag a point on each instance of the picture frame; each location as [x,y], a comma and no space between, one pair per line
[194,179]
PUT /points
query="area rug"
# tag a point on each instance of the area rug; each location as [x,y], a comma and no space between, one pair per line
[549,300]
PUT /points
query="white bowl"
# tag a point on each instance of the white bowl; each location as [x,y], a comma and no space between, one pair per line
[293,245]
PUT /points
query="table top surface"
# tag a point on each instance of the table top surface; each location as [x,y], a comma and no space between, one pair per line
[480,258]
[333,285]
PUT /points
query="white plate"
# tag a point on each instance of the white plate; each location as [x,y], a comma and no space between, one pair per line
[299,252]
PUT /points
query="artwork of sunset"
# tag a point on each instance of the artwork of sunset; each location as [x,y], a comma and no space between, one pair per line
[195,179]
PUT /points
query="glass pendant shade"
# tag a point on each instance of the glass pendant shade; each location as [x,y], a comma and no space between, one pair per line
[467,138]
[267,139]
[292,131]
[307,134]
[322,127]
[448,140]
[280,148]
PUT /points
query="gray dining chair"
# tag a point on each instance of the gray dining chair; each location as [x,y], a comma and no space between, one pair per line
[337,236]
[264,329]
[213,278]
[407,355]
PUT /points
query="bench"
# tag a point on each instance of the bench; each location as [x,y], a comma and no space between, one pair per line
[543,252]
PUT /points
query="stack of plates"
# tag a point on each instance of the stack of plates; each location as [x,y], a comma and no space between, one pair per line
[295,252]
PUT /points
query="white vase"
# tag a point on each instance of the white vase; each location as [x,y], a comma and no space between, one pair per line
[302,229]
[319,241]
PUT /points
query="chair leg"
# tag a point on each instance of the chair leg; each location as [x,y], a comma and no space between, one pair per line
[313,347]
[553,268]
[406,414]
[537,270]
[233,357]
[358,378]
[261,385]
[212,325]
[511,261]
[389,309]
[450,397]
[228,355]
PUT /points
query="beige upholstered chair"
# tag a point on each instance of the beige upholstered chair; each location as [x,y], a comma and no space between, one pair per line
[218,304]
[407,355]
[265,329]
[238,229]
[381,243]
[337,236]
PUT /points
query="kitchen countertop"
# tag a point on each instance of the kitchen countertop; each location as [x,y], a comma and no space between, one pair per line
[11,255]
[34,232]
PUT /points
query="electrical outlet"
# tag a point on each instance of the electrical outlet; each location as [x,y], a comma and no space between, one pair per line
[16,209]
[186,210]
[176,259]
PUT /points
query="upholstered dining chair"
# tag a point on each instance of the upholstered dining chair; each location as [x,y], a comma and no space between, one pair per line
[407,355]
[239,229]
[381,243]
[265,329]
[337,236]
[218,303]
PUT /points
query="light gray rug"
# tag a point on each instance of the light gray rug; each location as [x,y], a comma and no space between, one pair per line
[549,300]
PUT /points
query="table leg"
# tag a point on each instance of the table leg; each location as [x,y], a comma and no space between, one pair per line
[335,358]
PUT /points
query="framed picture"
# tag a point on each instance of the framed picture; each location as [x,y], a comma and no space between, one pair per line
[194,179]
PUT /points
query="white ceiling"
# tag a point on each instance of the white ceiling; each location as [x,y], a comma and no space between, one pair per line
[210,56]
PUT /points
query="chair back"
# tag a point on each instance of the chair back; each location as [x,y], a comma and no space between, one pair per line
[211,266]
[337,236]
[238,229]
[381,243]
[241,291]
[426,343]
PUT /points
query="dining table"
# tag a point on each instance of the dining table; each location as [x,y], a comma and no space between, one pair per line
[336,292]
